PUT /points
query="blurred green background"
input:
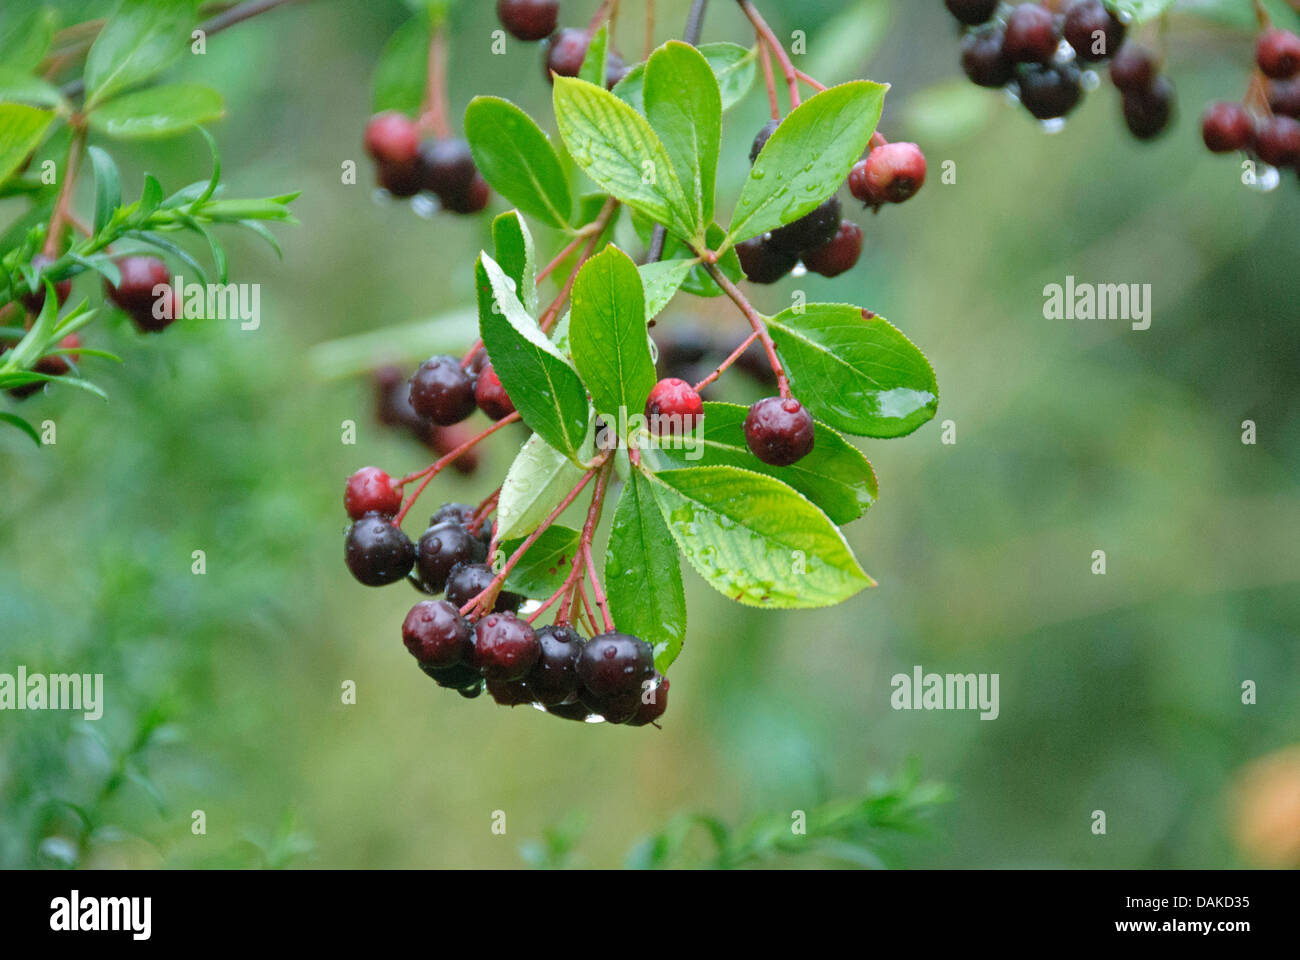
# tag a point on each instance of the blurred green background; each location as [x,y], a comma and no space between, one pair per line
[1118,693]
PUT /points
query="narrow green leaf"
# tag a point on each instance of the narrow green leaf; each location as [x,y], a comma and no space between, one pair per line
[399,78]
[141,39]
[534,485]
[516,255]
[151,196]
[808,157]
[593,62]
[684,108]
[858,373]
[734,68]
[642,574]
[21,424]
[108,187]
[157,112]
[542,570]
[756,540]
[21,130]
[517,159]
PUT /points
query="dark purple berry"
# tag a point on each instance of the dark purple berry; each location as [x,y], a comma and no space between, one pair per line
[490,396]
[1093,31]
[461,513]
[377,551]
[510,693]
[554,678]
[447,168]
[1278,54]
[1227,127]
[779,431]
[1031,35]
[840,254]
[1050,90]
[529,20]
[437,635]
[809,231]
[1277,141]
[467,580]
[443,547]
[370,490]
[442,391]
[462,676]
[1134,68]
[141,276]
[620,708]
[614,665]
[472,200]
[972,12]
[566,50]
[505,647]
[762,262]
[673,408]
[570,711]
[652,704]
[985,60]
[1147,112]
[761,138]
[399,179]
[1284,97]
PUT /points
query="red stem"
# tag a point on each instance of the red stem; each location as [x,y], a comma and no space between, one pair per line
[436,467]
[755,321]
[766,57]
[62,205]
[435,112]
[787,67]
[819,87]
[735,355]
[596,591]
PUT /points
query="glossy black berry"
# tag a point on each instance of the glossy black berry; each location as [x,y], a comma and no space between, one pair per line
[529,20]
[1227,127]
[1278,54]
[33,301]
[1147,112]
[491,396]
[437,635]
[1093,31]
[447,168]
[510,693]
[452,512]
[972,12]
[1049,90]
[985,60]
[840,254]
[505,647]
[811,230]
[762,262]
[615,664]
[673,408]
[652,703]
[779,431]
[1277,141]
[442,391]
[1134,68]
[620,708]
[443,547]
[377,551]
[370,490]
[570,711]
[761,138]
[462,676]
[554,677]
[467,580]
[1031,35]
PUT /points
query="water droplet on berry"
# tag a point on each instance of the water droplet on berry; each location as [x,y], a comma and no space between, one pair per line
[1266,179]
[424,206]
[1054,125]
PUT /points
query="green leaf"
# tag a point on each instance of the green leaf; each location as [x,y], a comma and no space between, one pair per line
[399,77]
[642,575]
[157,112]
[536,482]
[734,68]
[835,475]
[756,540]
[517,159]
[108,187]
[18,86]
[607,334]
[859,374]
[661,280]
[616,147]
[545,390]
[807,158]
[21,424]
[684,108]
[141,39]
[151,196]
[516,256]
[25,34]
[21,130]
[697,281]
[593,61]
[542,570]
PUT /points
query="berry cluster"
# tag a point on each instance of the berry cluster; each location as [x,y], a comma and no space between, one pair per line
[566,47]
[1273,133]
[406,165]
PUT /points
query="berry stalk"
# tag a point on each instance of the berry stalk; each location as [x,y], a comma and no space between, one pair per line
[755,321]
[431,471]
[765,35]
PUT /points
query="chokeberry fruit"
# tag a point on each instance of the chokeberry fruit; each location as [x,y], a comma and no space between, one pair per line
[673,408]
[809,231]
[972,12]
[1049,90]
[1277,141]
[1227,127]
[141,276]
[505,647]
[1284,97]
[52,365]
[840,254]
[392,138]
[1093,31]
[399,179]
[565,51]
[652,703]
[1031,35]
[377,551]
[984,59]
[437,635]
[452,513]
[779,431]
[762,262]
[473,199]
[529,20]
[467,580]
[620,708]
[371,490]
[490,396]
[615,664]
[891,173]
[554,678]
[462,676]
[36,299]
[570,711]
[443,547]
[442,391]
[446,167]
[761,138]
[1278,54]
[510,693]
[1147,112]
[615,68]
[1134,68]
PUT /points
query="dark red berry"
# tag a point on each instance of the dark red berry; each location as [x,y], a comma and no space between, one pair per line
[840,254]
[615,664]
[565,52]
[491,397]
[971,12]
[1031,35]
[616,709]
[891,173]
[985,60]
[652,703]
[52,364]
[140,277]
[1277,141]
[370,490]
[1134,68]
[505,647]
[615,68]
[554,678]
[1278,54]
[442,391]
[472,200]
[437,635]
[1227,127]
[1284,97]
[510,693]
[1050,90]
[462,676]
[377,551]
[467,580]
[1093,31]
[443,440]
[447,167]
[762,262]
[36,299]
[570,711]
[779,431]
[673,408]
[461,513]
[529,20]
[811,230]
[1147,112]
[392,137]
[399,179]
[761,138]
[441,548]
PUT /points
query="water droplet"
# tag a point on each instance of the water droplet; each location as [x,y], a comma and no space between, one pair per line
[1266,179]
[424,206]
[1054,125]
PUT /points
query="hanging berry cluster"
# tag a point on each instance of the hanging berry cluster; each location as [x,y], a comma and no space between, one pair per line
[1267,124]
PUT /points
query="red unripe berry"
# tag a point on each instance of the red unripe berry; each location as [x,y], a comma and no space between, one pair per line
[779,431]
[1277,141]
[505,647]
[840,254]
[371,489]
[1227,127]
[392,138]
[529,20]
[891,173]
[491,396]
[1031,34]
[437,635]
[673,407]
[1278,54]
